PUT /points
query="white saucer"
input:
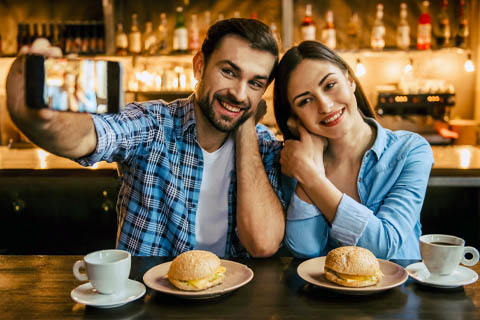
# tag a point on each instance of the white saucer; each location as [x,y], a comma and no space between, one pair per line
[87,295]
[461,276]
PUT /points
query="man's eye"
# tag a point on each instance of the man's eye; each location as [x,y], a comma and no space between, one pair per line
[228,72]
[257,84]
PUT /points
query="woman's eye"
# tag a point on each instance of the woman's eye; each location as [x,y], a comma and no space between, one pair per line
[330,85]
[304,102]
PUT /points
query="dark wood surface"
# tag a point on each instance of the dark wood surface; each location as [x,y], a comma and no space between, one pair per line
[38,287]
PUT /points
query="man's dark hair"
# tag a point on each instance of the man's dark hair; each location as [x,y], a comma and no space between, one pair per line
[254,31]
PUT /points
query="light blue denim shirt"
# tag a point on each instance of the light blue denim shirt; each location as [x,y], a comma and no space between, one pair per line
[391,185]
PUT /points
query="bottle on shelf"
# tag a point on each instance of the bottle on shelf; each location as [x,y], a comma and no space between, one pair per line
[77,38]
[93,39]
[442,32]
[276,34]
[149,39]
[236,14]
[134,37]
[353,28]
[424,32]
[85,35]
[221,16]
[180,33]
[308,28]
[162,35]
[121,41]
[58,36]
[35,33]
[101,37]
[68,36]
[403,29]
[193,34]
[206,24]
[329,36]
[462,31]
[377,39]
[20,36]
[44,33]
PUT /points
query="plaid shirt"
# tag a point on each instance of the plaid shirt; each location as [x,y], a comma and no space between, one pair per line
[161,165]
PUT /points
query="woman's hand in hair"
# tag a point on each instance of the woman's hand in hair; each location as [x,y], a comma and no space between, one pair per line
[304,157]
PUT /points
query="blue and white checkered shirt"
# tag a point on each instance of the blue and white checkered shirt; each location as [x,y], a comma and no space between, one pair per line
[161,164]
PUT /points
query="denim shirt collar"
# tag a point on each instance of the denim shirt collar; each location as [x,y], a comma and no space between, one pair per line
[381,139]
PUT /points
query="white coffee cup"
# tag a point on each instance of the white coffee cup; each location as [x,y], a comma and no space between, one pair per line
[442,253]
[107,270]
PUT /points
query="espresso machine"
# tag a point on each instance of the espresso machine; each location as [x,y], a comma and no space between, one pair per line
[426,113]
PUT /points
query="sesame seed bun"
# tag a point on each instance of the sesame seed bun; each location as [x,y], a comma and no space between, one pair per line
[352,267]
[196,270]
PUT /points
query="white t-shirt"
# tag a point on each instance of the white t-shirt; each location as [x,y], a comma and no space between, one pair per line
[211,221]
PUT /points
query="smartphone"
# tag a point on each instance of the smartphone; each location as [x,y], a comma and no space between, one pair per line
[75,85]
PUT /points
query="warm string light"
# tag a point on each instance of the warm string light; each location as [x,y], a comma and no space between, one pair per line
[360,69]
[469,67]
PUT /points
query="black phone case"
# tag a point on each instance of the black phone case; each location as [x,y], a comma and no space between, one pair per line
[34,80]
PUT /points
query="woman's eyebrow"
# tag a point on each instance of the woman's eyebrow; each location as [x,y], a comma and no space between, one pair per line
[320,83]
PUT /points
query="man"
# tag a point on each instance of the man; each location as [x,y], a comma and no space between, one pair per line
[196,173]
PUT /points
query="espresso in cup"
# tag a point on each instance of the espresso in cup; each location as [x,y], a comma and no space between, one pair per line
[107,270]
[442,253]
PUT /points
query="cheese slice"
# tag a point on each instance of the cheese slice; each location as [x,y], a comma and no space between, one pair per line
[202,283]
[353,277]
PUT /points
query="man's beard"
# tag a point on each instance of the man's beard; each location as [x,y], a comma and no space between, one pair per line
[225,123]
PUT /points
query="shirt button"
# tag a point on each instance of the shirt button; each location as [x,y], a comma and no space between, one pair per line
[359,179]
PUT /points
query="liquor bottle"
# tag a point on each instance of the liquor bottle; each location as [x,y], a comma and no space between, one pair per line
[403,29]
[92,41]
[149,39]
[134,37]
[161,46]
[101,37]
[20,36]
[180,33]
[442,32]
[44,33]
[68,36]
[308,27]
[85,35]
[329,37]
[193,34]
[353,28]
[462,32]
[221,17]
[206,25]
[276,35]
[35,33]
[377,40]
[121,41]
[236,14]
[77,38]
[424,33]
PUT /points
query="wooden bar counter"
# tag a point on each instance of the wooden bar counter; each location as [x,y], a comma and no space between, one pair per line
[38,287]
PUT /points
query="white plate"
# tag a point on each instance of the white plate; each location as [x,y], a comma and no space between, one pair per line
[237,275]
[461,276]
[87,295]
[312,272]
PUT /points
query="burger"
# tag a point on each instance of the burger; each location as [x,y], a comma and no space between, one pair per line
[352,267]
[196,270]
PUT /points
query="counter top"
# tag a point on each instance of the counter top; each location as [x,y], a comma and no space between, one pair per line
[38,287]
[460,161]
[35,161]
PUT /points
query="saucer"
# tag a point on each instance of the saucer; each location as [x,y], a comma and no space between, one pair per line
[87,295]
[461,276]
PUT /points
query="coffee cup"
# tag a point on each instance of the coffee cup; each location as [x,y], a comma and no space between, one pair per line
[442,253]
[107,270]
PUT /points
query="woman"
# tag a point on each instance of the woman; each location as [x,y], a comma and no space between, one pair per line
[357,183]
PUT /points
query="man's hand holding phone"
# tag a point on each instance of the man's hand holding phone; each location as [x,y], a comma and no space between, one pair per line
[66,134]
